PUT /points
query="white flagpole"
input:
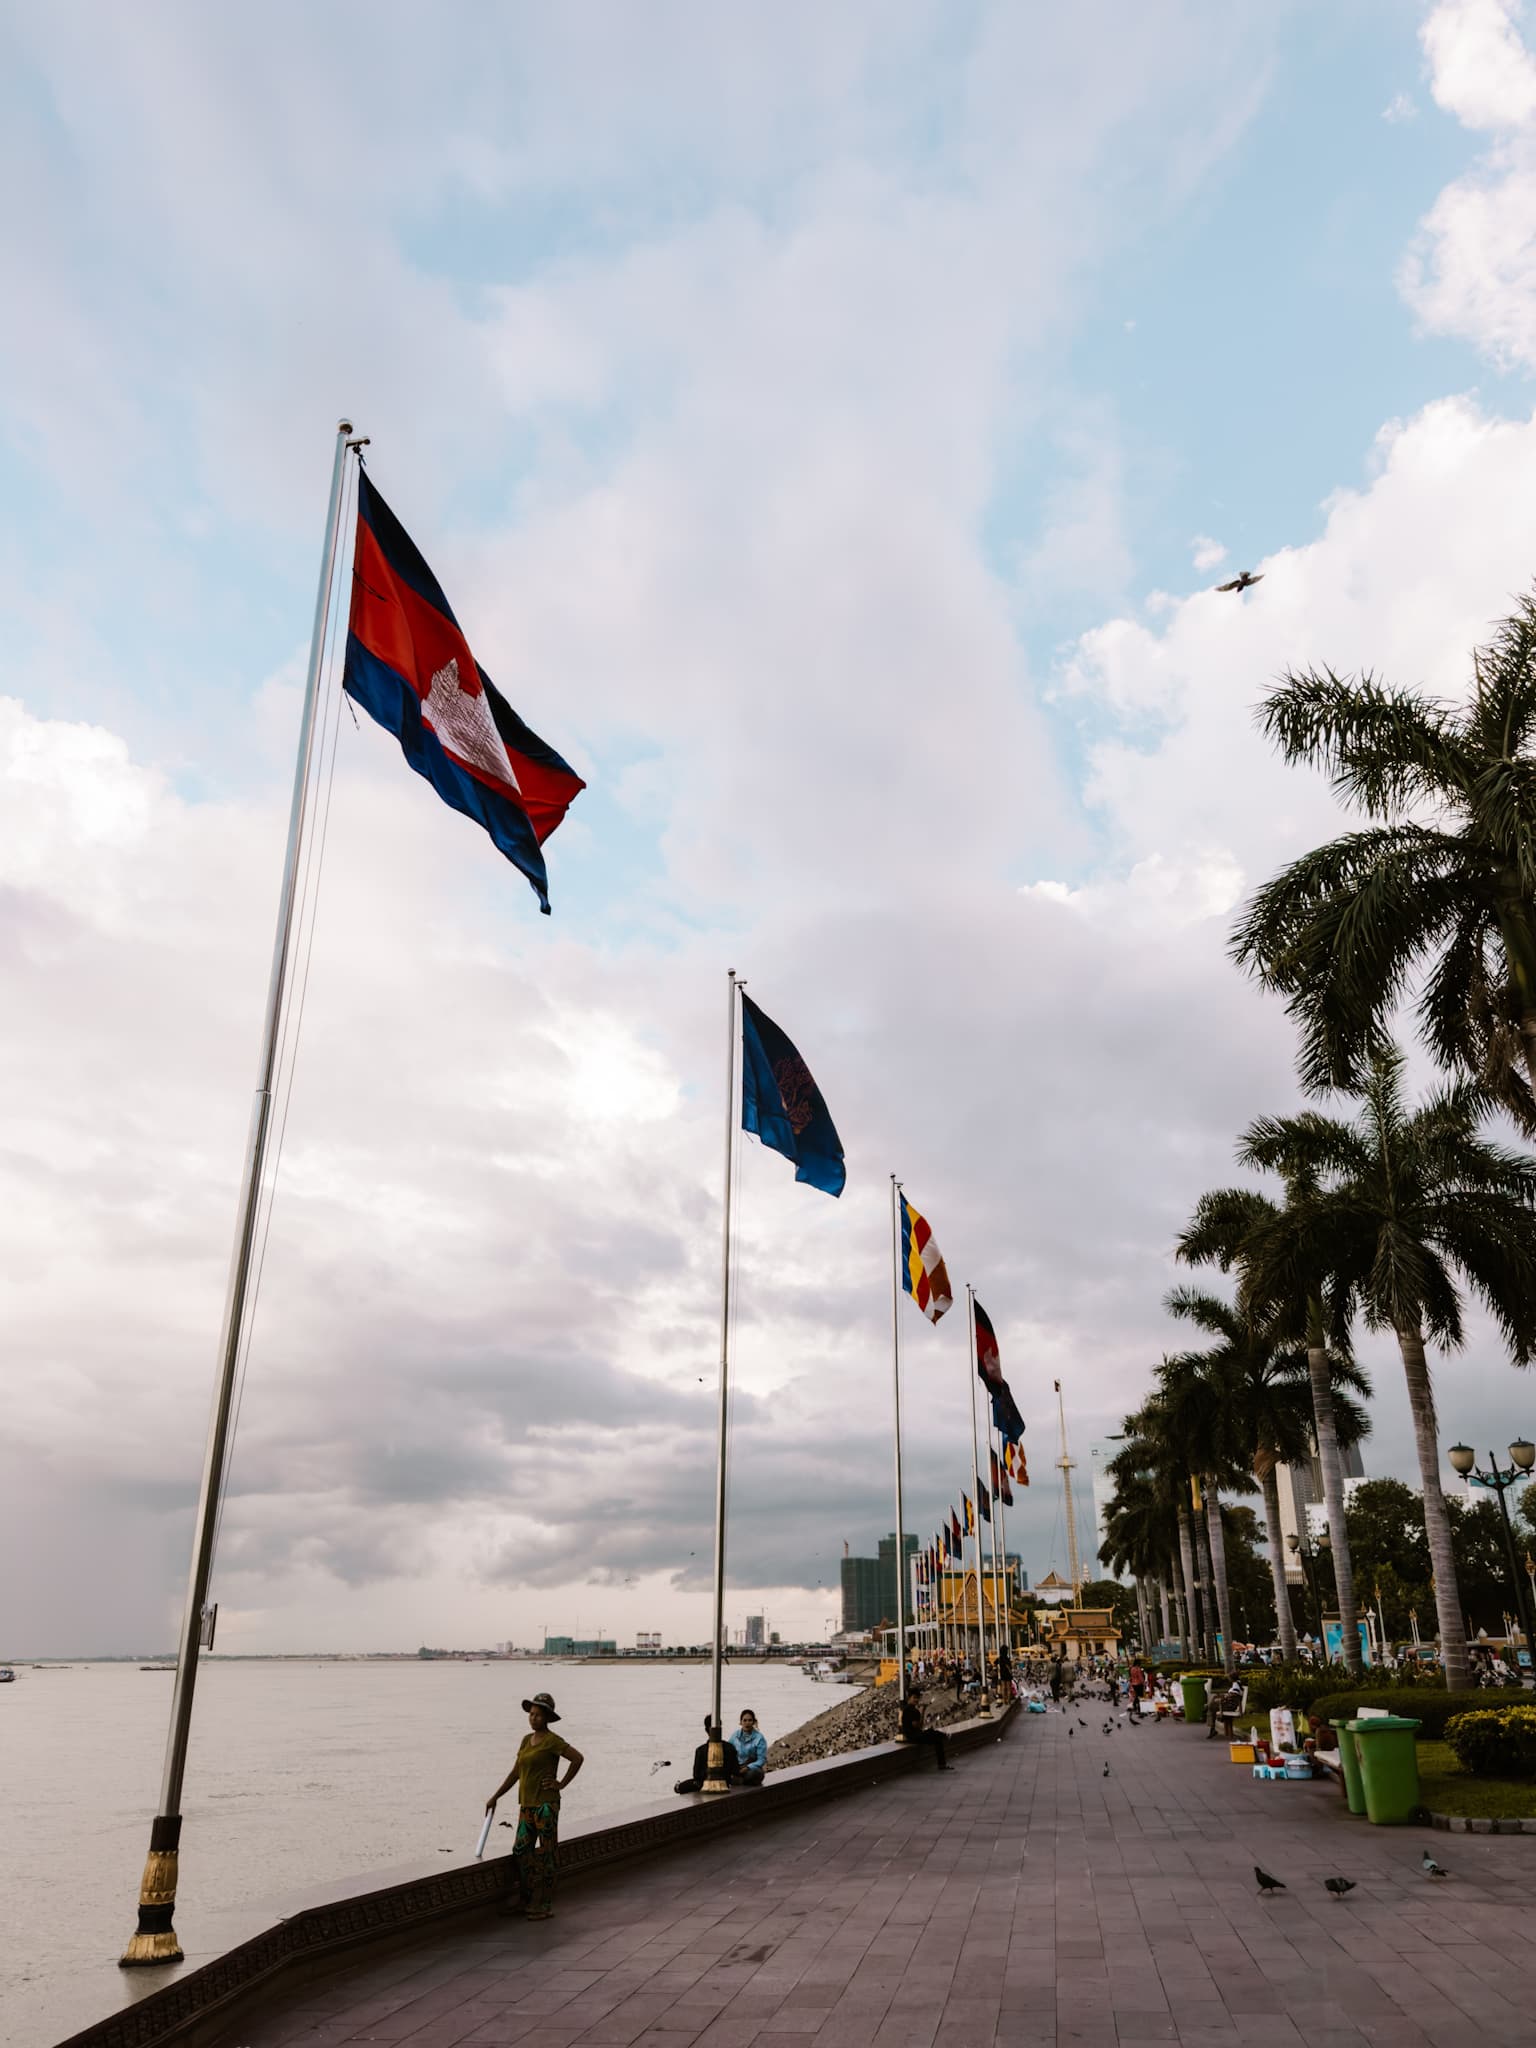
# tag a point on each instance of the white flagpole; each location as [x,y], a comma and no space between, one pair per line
[155,1940]
[714,1780]
[1002,1525]
[984,1710]
[901,1601]
[996,1567]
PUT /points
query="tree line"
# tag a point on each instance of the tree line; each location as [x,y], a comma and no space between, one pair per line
[1371,1210]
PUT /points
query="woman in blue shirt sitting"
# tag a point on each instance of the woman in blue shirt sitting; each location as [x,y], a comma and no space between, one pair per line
[751,1749]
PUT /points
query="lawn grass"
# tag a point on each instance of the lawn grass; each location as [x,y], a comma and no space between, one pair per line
[1446,1788]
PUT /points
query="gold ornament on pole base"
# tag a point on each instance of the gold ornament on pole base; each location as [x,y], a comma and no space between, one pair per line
[155,1938]
[714,1768]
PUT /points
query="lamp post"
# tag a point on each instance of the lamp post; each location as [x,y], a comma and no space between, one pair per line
[1522,1456]
[1303,1552]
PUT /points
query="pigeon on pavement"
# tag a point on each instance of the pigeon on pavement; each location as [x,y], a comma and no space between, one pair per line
[1431,1868]
[1266,1882]
[1338,1885]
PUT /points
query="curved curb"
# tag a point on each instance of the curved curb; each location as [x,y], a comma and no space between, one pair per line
[1468,1824]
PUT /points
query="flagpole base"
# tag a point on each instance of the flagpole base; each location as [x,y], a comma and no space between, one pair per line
[154,1940]
[984,1707]
[714,1769]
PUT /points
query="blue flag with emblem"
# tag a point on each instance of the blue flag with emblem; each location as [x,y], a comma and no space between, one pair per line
[782,1104]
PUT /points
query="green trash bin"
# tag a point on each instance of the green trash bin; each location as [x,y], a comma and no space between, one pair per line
[1349,1758]
[1193,1690]
[1389,1768]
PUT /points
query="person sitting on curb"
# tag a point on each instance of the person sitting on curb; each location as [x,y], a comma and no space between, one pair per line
[751,1750]
[913,1730]
[729,1764]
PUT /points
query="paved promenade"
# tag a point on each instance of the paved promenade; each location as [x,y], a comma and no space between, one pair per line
[1022,1899]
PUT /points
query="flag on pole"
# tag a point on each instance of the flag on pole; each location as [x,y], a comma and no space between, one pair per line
[953,1533]
[783,1105]
[1006,1419]
[970,1514]
[983,1502]
[1000,1477]
[1018,1465]
[409,666]
[923,1273]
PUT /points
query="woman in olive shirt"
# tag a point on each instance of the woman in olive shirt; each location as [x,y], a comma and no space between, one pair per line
[535,1847]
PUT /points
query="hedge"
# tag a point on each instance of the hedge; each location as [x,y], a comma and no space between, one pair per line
[1430,1708]
[1495,1742]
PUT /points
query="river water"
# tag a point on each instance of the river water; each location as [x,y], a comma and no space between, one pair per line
[300,1774]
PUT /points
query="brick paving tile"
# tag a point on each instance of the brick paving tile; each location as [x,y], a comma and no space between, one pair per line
[1029,1903]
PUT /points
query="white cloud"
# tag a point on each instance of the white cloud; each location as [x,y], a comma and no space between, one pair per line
[1472,269]
[1480,69]
[1205,552]
[1399,108]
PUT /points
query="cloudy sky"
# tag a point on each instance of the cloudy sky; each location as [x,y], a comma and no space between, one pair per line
[828,425]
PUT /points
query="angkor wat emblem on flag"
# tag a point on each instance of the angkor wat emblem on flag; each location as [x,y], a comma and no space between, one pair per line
[796,1090]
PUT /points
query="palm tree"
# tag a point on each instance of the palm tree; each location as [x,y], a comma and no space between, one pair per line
[1260,1412]
[1148,1464]
[1319,1314]
[1190,1403]
[1136,1540]
[1401,1205]
[1443,878]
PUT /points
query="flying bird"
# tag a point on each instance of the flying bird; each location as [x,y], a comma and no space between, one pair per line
[1266,1882]
[1338,1885]
[1071,1735]
[1106,1769]
[1243,582]
[1081,1722]
[1431,1868]
[665,1764]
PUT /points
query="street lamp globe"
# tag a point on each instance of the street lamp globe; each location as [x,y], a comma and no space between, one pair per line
[1462,1458]
[1293,1542]
[1324,1540]
[1522,1453]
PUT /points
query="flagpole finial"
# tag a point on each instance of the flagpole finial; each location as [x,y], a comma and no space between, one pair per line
[343,426]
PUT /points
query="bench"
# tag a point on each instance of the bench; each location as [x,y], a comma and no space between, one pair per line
[1224,1721]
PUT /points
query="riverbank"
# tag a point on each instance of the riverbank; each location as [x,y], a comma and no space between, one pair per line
[869,1717]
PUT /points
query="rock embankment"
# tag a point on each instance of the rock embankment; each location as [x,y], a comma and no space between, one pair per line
[867,1718]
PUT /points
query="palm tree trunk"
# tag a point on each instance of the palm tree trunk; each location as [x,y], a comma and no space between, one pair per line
[1437,1523]
[1185,1566]
[1285,1625]
[1333,1497]
[1162,1594]
[1207,1588]
[1217,1542]
[1141,1611]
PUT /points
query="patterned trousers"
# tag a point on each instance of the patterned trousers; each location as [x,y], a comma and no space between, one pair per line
[535,1855]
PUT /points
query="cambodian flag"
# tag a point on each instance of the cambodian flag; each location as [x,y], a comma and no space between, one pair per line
[410,668]
[1006,1419]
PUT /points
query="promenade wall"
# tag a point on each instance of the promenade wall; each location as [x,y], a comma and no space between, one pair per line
[199,2000]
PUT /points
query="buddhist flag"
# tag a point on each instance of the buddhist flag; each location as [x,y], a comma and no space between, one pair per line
[970,1514]
[408,664]
[923,1272]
